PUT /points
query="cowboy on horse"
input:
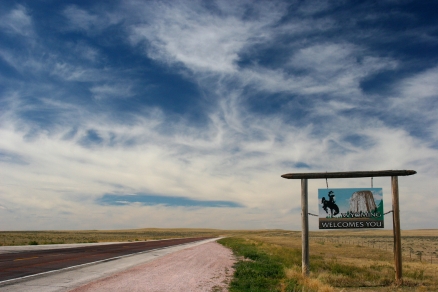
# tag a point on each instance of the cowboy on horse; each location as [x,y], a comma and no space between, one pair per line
[330,204]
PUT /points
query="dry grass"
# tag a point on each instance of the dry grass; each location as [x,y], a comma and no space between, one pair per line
[347,261]
[312,284]
[88,236]
[417,245]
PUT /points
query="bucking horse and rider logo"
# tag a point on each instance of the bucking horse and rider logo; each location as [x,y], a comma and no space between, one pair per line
[330,204]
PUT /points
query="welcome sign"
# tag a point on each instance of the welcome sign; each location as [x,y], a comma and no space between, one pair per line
[350,208]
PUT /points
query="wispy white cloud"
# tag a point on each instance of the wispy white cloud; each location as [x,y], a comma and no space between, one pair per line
[80,18]
[86,51]
[420,86]
[24,64]
[17,21]
[89,21]
[114,90]
[37,64]
[416,98]
[310,8]
[199,39]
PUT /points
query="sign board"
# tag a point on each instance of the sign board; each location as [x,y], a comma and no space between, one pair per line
[350,208]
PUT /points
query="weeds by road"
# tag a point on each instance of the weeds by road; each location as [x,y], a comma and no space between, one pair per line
[333,266]
[256,270]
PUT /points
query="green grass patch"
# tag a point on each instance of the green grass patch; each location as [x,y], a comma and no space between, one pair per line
[256,270]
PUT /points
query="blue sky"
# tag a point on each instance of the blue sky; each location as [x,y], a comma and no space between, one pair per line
[188,112]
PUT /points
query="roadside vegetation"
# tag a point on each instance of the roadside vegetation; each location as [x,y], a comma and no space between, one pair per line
[267,267]
[338,262]
[256,270]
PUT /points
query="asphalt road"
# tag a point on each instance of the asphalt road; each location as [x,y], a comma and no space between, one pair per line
[20,264]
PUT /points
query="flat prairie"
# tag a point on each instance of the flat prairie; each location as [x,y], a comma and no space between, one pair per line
[348,260]
[420,244]
[92,236]
[362,260]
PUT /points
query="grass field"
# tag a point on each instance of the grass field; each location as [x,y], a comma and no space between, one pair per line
[339,260]
[347,261]
[90,236]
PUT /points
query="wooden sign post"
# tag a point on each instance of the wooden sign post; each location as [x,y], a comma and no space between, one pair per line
[305,227]
[394,174]
[396,230]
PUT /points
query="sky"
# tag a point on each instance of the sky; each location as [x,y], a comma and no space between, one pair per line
[134,114]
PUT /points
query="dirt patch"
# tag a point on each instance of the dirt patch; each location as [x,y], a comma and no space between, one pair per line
[206,267]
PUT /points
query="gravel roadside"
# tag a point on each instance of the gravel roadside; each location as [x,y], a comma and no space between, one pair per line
[206,267]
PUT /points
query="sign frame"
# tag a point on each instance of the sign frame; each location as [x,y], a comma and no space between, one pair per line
[394,174]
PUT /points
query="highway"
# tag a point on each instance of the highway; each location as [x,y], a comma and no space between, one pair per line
[26,263]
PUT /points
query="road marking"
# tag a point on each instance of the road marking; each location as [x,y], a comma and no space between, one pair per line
[24,259]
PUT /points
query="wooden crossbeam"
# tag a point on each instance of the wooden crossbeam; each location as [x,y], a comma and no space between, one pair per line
[348,174]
